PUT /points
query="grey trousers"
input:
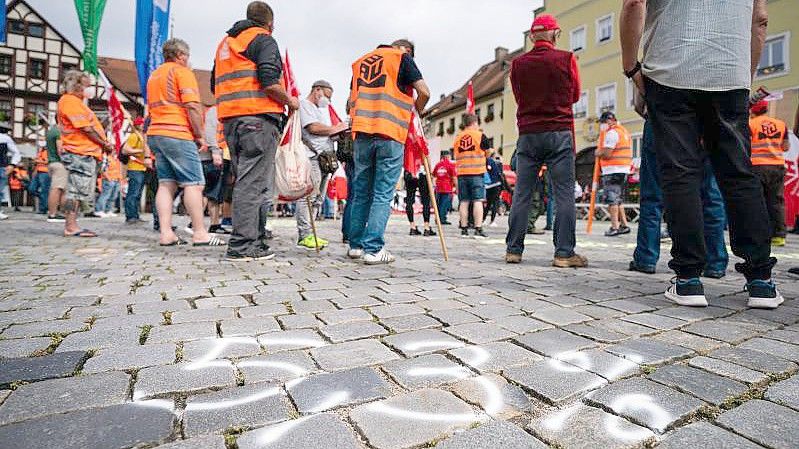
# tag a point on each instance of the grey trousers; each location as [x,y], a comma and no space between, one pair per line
[316,197]
[253,143]
[556,150]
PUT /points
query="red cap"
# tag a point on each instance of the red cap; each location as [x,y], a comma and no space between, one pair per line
[761,107]
[138,121]
[544,22]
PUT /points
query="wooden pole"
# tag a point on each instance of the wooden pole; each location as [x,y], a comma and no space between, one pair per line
[313,222]
[429,177]
[592,205]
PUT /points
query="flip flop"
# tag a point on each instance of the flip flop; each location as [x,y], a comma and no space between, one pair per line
[178,242]
[83,233]
[214,241]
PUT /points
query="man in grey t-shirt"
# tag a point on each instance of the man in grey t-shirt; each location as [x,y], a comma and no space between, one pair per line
[698,62]
[316,132]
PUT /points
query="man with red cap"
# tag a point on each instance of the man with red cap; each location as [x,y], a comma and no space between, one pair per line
[545,84]
[769,144]
[139,160]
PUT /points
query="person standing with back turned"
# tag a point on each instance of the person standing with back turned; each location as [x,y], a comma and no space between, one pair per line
[251,98]
[546,84]
[696,74]
[380,104]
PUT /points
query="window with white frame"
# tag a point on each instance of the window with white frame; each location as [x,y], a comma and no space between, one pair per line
[606,98]
[637,141]
[581,107]
[577,39]
[774,59]
[629,97]
[604,28]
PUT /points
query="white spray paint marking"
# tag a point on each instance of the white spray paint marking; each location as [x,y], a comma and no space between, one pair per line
[660,418]
[266,393]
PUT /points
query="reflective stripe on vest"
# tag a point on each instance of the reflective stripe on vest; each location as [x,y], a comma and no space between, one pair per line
[622,155]
[470,159]
[379,106]
[768,135]
[236,86]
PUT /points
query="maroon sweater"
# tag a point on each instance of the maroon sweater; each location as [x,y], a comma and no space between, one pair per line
[546,84]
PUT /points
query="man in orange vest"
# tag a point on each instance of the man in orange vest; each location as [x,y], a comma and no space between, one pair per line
[111,184]
[83,142]
[615,155]
[471,147]
[769,144]
[251,99]
[40,186]
[174,135]
[380,104]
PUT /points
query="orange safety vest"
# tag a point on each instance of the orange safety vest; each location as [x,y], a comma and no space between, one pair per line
[168,116]
[15,180]
[768,135]
[470,159]
[379,106]
[41,161]
[622,155]
[237,88]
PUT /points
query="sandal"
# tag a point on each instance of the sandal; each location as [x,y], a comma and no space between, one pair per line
[84,233]
[214,241]
[178,242]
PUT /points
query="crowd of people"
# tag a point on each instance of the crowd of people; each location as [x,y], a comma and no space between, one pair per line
[696,170]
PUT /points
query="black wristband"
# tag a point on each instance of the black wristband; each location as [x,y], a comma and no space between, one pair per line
[634,70]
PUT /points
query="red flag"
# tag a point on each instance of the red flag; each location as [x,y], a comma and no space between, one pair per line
[288,76]
[117,118]
[470,99]
[290,84]
[334,118]
[415,145]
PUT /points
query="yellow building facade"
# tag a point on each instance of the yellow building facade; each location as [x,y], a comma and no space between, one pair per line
[590,28]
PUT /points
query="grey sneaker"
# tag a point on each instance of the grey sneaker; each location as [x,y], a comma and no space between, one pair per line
[763,295]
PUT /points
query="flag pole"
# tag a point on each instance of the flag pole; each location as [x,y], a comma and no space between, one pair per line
[592,205]
[313,222]
[427,170]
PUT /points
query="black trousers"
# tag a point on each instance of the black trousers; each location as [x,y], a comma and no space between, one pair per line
[689,125]
[492,202]
[413,184]
[772,178]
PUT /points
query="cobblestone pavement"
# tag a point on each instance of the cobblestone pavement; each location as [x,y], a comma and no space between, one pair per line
[115,342]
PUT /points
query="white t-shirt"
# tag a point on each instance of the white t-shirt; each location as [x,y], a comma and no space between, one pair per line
[310,114]
[611,140]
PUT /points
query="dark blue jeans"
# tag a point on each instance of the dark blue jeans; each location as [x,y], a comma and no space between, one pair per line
[133,198]
[349,172]
[444,201]
[40,186]
[647,250]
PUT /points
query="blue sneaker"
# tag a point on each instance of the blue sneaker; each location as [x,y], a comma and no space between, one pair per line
[763,295]
[687,292]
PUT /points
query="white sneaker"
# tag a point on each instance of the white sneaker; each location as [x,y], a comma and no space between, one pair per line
[493,224]
[101,214]
[3,216]
[111,215]
[381,258]
[355,253]
[188,230]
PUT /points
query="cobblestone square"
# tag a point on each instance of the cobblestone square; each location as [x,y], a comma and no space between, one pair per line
[115,342]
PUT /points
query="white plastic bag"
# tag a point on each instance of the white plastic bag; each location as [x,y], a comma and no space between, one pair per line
[292,166]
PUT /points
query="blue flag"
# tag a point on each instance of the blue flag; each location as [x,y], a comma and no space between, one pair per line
[152,27]
[3,24]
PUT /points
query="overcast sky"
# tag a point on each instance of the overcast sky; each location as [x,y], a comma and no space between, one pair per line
[323,37]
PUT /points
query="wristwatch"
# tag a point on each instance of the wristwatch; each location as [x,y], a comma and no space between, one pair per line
[634,70]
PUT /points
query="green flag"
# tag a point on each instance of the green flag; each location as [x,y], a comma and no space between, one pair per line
[90,14]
